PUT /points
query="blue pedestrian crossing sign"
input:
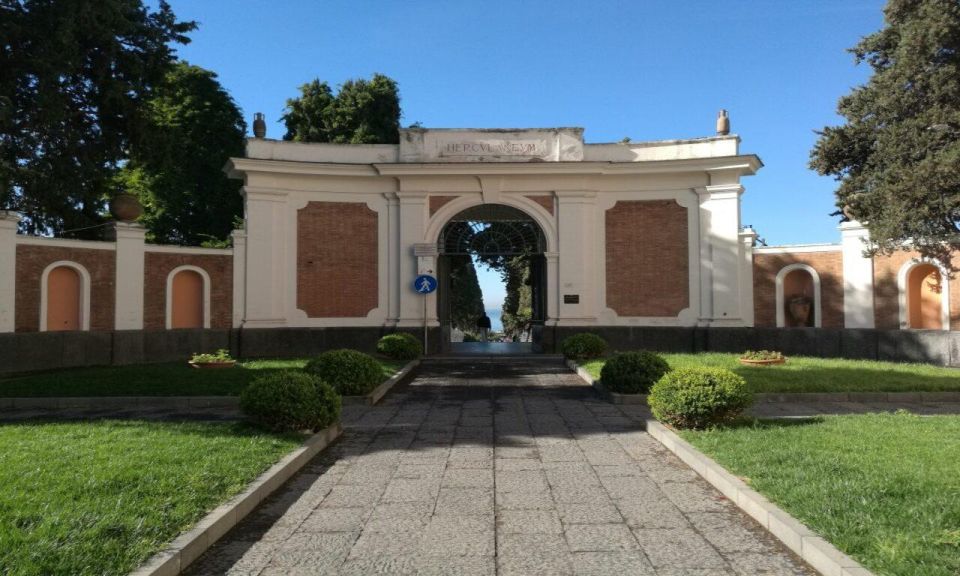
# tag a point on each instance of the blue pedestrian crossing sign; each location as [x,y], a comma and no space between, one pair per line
[425,284]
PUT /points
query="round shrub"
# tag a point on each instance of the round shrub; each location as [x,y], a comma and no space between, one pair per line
[330,404]
[283,401]
[400,346]
[351,373]
[698,397]
[583,346]
[633,372]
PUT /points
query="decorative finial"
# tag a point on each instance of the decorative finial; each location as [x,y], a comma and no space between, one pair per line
[259,125]
[723,123]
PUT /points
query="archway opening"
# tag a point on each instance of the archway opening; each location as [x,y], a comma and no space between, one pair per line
[798,299]
[501,248]
[186,300]
[64,292]
[924,293]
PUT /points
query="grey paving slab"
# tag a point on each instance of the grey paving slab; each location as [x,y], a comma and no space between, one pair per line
[482,468]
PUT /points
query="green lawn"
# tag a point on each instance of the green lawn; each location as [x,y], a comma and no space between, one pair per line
[802,374]
[102,497]
[175,379]
[883,488]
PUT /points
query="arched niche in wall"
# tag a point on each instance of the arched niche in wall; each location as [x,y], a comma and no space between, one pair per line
[798,297]
[188,298]
[64,297]
[924,296]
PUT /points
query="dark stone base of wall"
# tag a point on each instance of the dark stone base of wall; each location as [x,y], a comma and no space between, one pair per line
[929,346]
[27,352]
[33,351]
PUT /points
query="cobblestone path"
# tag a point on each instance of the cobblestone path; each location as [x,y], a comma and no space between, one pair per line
[497,469]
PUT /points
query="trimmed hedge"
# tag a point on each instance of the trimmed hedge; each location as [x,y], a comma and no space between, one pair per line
[290,401]
[699,397]
[400,346]
[351,373]
[633,372]
[583,346]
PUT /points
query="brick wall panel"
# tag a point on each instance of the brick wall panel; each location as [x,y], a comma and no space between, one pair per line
[337,260]
[438,202]
[647,258]
[157,267]
[545,201]
[829,266]
[32,260]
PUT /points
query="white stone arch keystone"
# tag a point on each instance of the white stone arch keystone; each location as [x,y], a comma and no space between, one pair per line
[206,293]
[817,308]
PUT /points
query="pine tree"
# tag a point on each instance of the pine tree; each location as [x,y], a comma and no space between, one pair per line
[897,157]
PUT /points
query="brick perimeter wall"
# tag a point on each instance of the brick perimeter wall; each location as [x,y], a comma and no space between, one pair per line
[337,260]
[31,261]
[647,258]
[886,293]
[158,265]
[829,266]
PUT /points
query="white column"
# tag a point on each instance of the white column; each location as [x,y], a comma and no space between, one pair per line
[413,218]
[577,256]
[129,276]
[266,266]
[239,241]
[393,258]
[748,239]
[857,276]
[720,259]
[8,269]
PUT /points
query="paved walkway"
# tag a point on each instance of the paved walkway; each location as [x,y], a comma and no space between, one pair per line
[474,470]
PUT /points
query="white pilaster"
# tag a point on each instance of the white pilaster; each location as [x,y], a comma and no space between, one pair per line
[239,241]
[129,276]
[8,269]
[748,239]
[720,255]
[576,223]
[393,258]
[266,262]
[857,276]
[413,218]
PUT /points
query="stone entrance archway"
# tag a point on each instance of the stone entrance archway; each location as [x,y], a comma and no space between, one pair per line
[500,237]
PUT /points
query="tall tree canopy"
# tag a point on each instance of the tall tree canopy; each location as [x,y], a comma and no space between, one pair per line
[362,112]
[897,157]
[73,77]
[194,126]
[466,297]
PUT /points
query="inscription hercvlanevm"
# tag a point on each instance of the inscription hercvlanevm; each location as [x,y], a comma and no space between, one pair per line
[449,148]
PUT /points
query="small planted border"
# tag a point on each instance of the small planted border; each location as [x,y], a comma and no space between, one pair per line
[189,546]
[813,549]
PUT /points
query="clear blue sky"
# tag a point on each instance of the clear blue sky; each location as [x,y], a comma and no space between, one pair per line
[644,69]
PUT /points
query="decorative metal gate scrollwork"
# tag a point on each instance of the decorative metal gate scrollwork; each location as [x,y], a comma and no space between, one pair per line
[491,230]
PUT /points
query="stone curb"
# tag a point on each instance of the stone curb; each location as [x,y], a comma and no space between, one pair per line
[380,391]
[865,397]
[816,551]
[192,544]
[787,397]
[120,402]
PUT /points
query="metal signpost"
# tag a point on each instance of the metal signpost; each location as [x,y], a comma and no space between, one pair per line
[424,284]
